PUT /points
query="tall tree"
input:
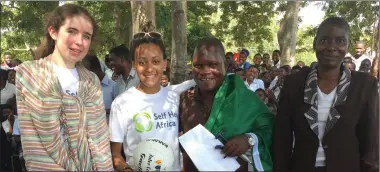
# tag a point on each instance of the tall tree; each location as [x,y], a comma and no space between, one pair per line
[178,64]
[143,12]
[287,35]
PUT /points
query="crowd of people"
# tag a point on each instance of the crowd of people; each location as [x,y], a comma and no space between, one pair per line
[68,110]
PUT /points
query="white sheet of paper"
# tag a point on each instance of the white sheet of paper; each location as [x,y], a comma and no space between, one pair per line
[199,143]
[6,126]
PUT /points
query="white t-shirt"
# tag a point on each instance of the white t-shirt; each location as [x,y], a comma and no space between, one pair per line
[358,61]
[68,79]
[136,116]
[325,102]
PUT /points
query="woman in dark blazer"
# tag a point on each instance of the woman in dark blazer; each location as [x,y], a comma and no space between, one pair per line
[328,117]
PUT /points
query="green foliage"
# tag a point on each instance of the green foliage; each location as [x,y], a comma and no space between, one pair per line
[105,14]
[247,23]
[22,26]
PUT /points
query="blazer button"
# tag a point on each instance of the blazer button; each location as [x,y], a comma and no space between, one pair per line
[325,147]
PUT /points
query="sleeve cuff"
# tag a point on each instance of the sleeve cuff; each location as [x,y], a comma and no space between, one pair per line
[255,153]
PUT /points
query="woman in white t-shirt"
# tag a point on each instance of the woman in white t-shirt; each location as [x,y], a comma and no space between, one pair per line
[147,110]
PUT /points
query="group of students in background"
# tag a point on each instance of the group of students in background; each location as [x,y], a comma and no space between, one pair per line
[75,114]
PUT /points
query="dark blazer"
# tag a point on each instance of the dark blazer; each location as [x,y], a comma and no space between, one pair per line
[352,143]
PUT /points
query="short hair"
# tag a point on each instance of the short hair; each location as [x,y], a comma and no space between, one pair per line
[16,61]
[366,60]
[205,44]
[335,21]
[253,66]
[7,53]
[93,61]
[287,68]
[296,67]
[258,54]
[277,51]
[122,51]
[360,42]
[266,54]
[238,70]
[260,89]
[229,54]
[313,64]
[245,51]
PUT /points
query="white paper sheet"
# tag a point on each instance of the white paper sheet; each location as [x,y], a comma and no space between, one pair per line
[200,144]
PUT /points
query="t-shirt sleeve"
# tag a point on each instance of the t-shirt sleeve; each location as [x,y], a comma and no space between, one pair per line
[117,123]
[261,85]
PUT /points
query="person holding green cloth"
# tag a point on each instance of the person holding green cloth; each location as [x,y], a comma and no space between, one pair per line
[222,102]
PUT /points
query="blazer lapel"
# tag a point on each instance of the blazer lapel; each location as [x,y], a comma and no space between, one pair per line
[340,99]
[311,98]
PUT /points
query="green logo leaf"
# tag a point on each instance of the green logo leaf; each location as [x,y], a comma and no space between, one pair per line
[139,127]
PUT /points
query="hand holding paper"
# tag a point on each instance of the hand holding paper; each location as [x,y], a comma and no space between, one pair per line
[200,144]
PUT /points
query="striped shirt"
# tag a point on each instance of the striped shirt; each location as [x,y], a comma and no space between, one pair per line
[44,109]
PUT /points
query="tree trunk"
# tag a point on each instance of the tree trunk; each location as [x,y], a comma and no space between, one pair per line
[178,64]
[143,16]
[287,34]
[117,16]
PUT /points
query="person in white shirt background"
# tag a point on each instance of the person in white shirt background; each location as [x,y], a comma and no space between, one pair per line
[121,63]
[92,63]
[252,82]
[146,110]
[8,90]
[276,58]
[360,54]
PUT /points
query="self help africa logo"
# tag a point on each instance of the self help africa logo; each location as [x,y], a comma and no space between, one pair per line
[143,122]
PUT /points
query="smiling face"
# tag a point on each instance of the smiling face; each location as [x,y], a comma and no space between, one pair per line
[251,73]
[359,49]
[243,57]
[257,59]
[331,45]
[149,64]
[73,38]
[8,59]
[207,69]
[275,57]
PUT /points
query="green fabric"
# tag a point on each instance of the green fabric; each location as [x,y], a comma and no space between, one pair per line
[238,110]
